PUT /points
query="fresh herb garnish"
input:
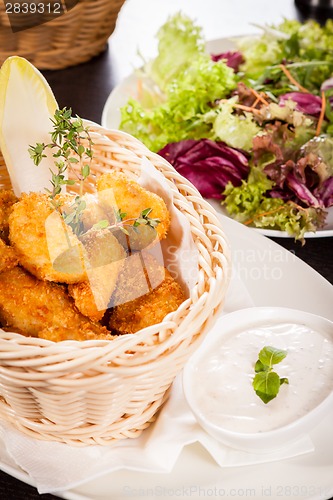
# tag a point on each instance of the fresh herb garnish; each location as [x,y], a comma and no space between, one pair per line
[121,222]
[68,138]
[72,145]
[266,382]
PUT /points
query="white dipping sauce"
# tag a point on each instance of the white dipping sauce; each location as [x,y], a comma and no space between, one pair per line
[223,379]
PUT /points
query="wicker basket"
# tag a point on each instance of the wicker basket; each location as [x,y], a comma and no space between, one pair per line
[70,39]
[97,391]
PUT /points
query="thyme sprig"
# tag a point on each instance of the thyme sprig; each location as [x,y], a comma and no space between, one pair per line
[67,140]
[72,145]
[122,222]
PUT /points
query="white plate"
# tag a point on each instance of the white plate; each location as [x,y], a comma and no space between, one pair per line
[273,276]
[128,88]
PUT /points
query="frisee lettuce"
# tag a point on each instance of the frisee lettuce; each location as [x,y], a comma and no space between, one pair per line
[180,41]
[235,130]
[250,204]
[187,98]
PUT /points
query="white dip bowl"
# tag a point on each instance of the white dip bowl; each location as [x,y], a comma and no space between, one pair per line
[218,379]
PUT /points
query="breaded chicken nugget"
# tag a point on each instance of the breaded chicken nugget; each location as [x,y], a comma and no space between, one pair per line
[136,238]
[106,258]
[43,243]
[8,257]
[148,309]
[132,199]
[7,200]
[30,306]
[140,274]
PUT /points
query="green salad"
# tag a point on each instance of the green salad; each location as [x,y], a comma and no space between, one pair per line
[252,126]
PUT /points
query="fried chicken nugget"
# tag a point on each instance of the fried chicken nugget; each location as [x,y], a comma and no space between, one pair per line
[41,241]
[7,200]
[8,257]
[148,309]
[106,258]
[33,307]
[140,274]
[132,199]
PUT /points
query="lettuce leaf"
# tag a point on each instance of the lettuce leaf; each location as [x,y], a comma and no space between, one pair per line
[235,130]
[251,203]
[188,97]
[258,54]
[180,42]
[244,201]
[306,48]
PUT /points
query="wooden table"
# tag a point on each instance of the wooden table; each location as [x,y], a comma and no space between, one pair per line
[86,87]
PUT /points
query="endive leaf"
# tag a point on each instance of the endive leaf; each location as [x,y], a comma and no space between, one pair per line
[26,105]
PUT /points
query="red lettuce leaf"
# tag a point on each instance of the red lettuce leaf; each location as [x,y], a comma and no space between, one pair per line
[247,97]
[208,165]
[266,151]
[304,180]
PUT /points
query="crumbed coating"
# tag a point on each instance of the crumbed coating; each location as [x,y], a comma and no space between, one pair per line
[132,199]
[41,243]
[148,309]
[30,306]
[93,212]
[85,332]
[8,257]
[57,286]
[140,274]
[106,258]
[7,200]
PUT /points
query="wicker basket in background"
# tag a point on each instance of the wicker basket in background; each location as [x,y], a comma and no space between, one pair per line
[70,39]
[97,391]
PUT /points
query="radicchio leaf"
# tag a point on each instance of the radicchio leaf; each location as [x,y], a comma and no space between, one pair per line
[325,192]
[305,102]
[233,59]
[208,165]
[304,181]
[302,192]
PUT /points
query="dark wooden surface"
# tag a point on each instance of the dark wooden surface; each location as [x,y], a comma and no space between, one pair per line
[85,88]
[12,489]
